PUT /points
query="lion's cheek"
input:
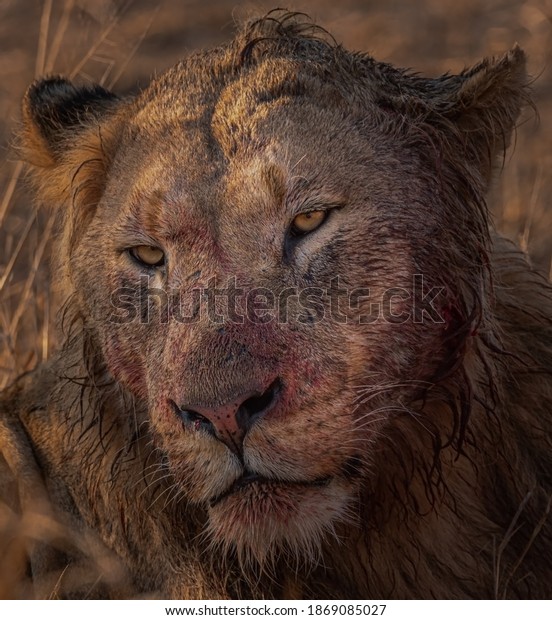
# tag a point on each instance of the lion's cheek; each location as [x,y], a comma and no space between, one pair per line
[280,451]
[200,474]
[126,364]
[203,469]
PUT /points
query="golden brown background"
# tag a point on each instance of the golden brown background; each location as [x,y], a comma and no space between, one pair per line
[122,43]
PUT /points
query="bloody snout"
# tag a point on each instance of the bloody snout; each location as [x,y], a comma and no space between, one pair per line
[230,420]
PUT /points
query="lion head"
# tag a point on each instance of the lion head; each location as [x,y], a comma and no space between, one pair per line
[279,248]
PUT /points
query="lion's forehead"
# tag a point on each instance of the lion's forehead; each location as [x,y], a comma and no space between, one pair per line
[212,81]
[183,185]
[220,105]
[223,163]
[219,140]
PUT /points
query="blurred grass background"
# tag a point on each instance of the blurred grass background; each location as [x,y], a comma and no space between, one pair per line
[122,43]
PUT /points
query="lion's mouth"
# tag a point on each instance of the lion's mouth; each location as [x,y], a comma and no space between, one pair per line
[249,479]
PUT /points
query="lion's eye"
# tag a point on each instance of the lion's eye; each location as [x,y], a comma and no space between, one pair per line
[305,223]
[148,255]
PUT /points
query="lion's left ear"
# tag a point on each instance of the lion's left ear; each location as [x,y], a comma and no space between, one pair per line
[476,109]
[486,104]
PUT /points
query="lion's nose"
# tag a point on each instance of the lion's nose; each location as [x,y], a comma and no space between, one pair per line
[229,422]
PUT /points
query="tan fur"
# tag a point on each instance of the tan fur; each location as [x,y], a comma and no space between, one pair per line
[402,458]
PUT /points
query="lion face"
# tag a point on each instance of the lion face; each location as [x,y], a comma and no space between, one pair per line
[252,339]
[253,246]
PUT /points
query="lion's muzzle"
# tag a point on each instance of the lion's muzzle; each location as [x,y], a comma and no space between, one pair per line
[230,420]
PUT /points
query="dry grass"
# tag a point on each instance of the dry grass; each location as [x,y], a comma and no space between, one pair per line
[120,43]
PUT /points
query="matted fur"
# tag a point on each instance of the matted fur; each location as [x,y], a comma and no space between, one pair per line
[402,458]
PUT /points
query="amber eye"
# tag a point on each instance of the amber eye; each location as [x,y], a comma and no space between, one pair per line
[148,255]
[308,222]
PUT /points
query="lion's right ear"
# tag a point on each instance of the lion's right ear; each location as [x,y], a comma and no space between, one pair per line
[57,115]
[69,138]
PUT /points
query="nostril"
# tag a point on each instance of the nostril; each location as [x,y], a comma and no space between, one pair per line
[193,419]
[230,421]
[256,405]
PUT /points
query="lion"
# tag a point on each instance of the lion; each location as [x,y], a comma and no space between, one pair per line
[297,361]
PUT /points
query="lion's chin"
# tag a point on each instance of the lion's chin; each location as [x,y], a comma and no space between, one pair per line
[260,519]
